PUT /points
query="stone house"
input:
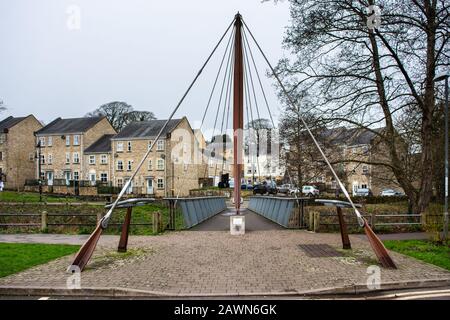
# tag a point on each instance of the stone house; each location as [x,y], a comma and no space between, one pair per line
[17,150]
[97,161]
[171,169]
[353,150]
[63,142]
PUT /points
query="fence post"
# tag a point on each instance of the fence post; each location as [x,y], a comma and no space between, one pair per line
[372,220]
[156,221]
[44,221]
[316,221]
[311,221]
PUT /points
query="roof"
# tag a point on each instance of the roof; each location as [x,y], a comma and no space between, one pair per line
[102,145]
[10,122]
[146,129]
[72,125]
[350,137]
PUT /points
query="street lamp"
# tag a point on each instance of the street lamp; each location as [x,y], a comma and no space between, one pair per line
[444,77]
[39,170]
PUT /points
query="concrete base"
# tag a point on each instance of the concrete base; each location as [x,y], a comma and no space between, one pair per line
[237,225]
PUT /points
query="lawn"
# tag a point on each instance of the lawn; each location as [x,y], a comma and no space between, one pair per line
[424,250]
[15,257]
[13,196]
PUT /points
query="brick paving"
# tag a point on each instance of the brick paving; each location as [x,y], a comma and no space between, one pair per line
[207,262]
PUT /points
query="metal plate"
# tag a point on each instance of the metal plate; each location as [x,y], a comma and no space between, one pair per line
[319,250]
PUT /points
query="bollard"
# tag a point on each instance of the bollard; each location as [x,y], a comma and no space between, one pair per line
[44,221]
[311,221]
[316,221]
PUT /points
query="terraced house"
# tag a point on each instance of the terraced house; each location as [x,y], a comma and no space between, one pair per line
[63,143]
[17,150]
[165,173]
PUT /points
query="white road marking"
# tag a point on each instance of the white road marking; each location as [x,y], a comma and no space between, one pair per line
[44,298]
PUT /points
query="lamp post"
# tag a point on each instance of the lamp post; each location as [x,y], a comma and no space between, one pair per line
[438,78]
[39,170]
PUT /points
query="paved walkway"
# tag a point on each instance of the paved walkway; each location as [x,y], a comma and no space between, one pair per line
[204,262]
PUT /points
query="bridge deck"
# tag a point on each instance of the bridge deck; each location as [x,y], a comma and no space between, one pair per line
[221,222]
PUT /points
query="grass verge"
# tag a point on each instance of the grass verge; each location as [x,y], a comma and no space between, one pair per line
[437,254]
[15,257]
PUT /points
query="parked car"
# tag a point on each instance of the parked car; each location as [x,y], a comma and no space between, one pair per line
[310,191]
[246,186]
[285,188]
[363,192]
[264,188]
[390,193]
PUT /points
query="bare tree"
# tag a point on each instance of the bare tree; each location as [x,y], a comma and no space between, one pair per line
[121,114]
[366,75]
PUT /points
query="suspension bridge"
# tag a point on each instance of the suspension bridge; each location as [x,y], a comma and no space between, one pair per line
[238,85]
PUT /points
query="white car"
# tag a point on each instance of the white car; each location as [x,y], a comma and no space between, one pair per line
[390,193]
[310,191]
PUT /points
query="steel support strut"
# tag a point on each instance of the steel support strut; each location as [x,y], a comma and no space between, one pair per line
[238,113]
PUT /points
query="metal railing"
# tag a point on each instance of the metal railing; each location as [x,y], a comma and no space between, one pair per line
[287,212]
[197,210]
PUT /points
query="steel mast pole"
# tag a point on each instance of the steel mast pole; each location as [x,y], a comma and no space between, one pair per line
[238,111]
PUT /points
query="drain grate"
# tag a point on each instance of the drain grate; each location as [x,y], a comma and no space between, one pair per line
[319,250]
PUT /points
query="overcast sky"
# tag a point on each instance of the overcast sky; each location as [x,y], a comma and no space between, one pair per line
[142,52]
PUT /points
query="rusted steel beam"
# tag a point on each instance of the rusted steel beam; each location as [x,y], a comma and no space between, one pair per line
[125,231]
[238,113]
[343,227]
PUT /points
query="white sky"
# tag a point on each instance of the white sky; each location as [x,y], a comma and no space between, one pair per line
[142,52]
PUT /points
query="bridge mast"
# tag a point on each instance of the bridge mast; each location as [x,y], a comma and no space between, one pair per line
[238,113]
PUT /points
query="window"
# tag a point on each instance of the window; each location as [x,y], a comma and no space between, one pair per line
[92,159]
[364,186]
[49,158]
[76,157]
[42,158]
[76,175]
[50,141]
[42,141]
[76,140]
[365,169]
[67,140]
[103,177]
[129,163]
[2,138]
[119,146]
[120,182]
[119,165]
[160,164]
[365,149]
[160,183]
[103,159]
[150,165]
[30,156]
[160,145]
[150,144]
[67,158]
[129,146]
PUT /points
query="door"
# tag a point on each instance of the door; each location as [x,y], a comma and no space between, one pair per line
[67,177]
[49,177]
[130,187]
[92,178]
[149,186]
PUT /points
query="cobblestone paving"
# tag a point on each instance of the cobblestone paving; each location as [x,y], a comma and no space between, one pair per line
[190,263]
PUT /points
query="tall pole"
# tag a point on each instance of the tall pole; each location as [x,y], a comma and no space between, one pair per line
[238,111]
[446,162]
[39,170]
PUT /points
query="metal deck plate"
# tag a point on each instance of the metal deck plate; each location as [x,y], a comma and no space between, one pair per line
[319,250]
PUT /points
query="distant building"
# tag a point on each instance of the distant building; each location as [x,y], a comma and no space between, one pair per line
[63,144]
[169,170]
[17,150]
